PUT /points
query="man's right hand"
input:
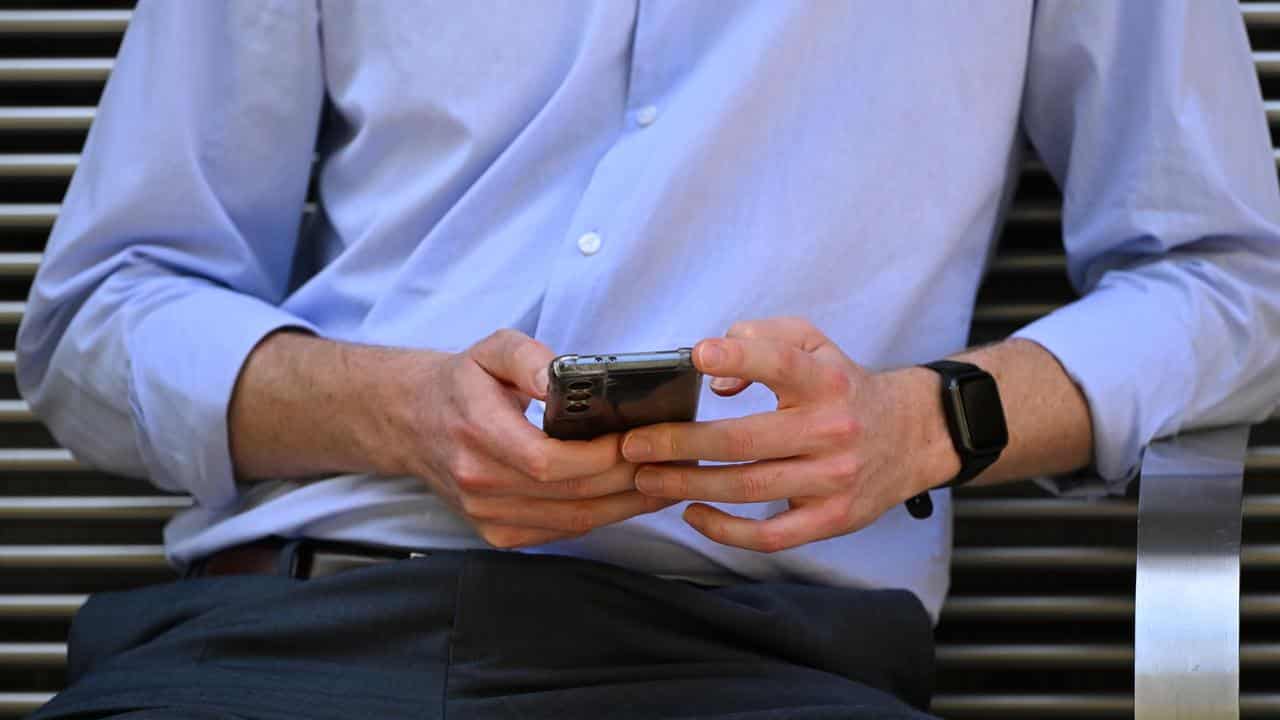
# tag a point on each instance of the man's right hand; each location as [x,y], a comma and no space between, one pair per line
[454,420]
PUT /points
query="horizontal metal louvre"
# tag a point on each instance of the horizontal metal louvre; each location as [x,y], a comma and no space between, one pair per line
[33,70]
[45,459]
[63,22]
[105,557]
[92,508]
[31,119]
[19,263]
[26,607]
[38,216]
[15,411]
[1042,598]
[38,165]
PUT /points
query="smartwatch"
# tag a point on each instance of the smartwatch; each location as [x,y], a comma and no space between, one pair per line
[975,419]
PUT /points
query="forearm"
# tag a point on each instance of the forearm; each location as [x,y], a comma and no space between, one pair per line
[306,406]
[1050,430]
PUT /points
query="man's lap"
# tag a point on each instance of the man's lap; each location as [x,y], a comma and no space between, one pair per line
[487,634]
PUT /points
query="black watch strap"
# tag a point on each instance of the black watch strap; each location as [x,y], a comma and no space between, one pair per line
[971,463]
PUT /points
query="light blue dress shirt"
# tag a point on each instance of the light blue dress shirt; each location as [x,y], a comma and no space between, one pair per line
[626,176]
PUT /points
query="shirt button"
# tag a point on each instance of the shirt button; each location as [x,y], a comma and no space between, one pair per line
[589,243]
[646,115]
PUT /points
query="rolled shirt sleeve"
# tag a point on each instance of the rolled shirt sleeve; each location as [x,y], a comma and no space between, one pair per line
[176,241]
[1149,117]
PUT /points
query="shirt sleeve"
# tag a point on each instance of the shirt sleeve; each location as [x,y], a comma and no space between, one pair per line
[175,243]
[1149,117]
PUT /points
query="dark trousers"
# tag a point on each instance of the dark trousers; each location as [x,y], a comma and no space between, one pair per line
[486,634]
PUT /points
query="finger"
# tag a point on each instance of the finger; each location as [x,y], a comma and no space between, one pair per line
[486,477]
[619,478]
[728,386]
[571,516]
[788,370]
[790,330]
[788,529]
[509,536]
[748,482]
[515,359]
[793,331]
[528,450]
[776,434]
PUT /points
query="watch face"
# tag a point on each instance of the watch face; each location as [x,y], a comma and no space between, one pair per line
[983,415]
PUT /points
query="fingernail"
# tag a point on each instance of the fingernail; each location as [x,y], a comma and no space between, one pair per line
[636,448]
[723,383]
[540,381]
[712,355]
[648,481]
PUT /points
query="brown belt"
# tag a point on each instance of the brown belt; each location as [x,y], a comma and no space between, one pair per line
[296,558]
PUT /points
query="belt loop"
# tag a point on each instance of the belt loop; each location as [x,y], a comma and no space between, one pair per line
[289,559]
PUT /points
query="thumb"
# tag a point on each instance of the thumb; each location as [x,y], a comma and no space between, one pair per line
[516,359]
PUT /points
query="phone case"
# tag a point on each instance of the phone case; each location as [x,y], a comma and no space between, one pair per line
[591,395]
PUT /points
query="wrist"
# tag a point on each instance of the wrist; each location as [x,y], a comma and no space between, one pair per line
[925,439]
[394,391]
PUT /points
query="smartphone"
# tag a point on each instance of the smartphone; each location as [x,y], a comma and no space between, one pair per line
[590,395]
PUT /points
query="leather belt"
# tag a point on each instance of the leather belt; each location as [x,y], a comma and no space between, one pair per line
[296,558]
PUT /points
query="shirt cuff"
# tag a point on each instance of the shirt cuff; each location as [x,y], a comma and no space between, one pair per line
[185,358]
[1127,354]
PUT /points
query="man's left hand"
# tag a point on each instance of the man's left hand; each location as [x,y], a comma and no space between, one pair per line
[844,445]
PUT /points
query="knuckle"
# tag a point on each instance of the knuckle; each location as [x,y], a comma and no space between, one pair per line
[744,329]
[739,442]
[770,540]
[505,335]
[469,477]
[459,428]
[835,381]
[537,465]
[787,361]
[840,429]
[676,483]
[716,528]
[670,441]
[757,484]
[580,520]
[579,487]
[844,466]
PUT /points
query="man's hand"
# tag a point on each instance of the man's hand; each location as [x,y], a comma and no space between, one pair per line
[513,483]
[843,446]
[305,406]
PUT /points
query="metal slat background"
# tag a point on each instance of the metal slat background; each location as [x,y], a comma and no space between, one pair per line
[1039,624]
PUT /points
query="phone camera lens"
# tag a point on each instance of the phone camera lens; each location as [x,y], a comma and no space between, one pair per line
[580,385]
[579,396]
[577,407]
